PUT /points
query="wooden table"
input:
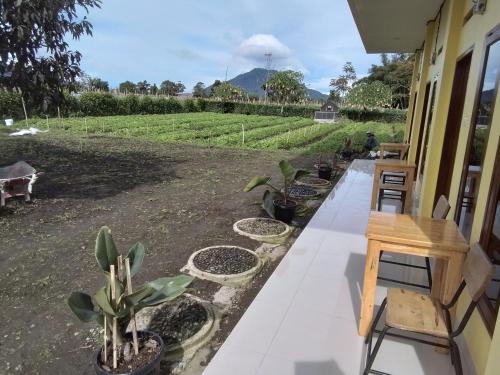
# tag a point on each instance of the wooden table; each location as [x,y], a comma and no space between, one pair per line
[402,148]
[412,235]
[394,165]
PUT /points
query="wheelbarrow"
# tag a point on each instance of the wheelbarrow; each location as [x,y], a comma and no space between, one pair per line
[17,180]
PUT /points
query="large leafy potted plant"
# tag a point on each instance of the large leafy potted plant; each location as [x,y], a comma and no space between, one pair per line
[276,202]
[114,307]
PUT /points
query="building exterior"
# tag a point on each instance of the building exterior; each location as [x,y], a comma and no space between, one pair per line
[453,124]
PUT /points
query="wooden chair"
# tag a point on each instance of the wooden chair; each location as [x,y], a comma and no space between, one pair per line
[409,311]
[392,187]
[440,211]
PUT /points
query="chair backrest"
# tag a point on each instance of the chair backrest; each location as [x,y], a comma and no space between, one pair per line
[477,272]
[442,208]
[404,153]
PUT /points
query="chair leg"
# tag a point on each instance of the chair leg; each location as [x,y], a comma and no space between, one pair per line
[457,362]
[429,271]
[380,197]
[375,321]
[371,356]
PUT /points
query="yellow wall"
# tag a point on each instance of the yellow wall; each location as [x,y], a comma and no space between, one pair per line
[457,38]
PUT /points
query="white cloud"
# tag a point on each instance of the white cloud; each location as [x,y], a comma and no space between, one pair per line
[255,47]
[251,53]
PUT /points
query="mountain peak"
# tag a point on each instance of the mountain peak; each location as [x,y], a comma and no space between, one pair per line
[253,81]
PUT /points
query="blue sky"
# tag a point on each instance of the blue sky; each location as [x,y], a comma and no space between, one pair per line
[196,40]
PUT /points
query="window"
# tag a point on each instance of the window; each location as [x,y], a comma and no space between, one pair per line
[427,129]
[478,137]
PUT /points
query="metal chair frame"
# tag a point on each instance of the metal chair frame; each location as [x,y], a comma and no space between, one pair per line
[452,334]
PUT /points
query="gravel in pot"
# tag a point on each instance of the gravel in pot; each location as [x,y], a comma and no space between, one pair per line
[302,192]
[262,226]
[314,182]
[225,260]
[178,320]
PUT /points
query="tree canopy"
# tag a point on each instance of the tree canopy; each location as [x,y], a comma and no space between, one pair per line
[227,91]
[199,90]
[171,88]
[286,87]
[35,58]
[369,95]
[343,83]
[127,87]
[396,72]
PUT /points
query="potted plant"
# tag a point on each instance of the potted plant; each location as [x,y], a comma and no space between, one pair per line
[324,169]
[114,307]
[276,202]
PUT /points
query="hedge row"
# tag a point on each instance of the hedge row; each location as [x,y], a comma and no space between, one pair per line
[106,104]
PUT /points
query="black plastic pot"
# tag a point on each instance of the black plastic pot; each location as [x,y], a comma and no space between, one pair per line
[325,172]
[284,212]
[151,368]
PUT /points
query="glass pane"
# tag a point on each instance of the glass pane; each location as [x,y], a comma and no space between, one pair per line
[493,291]
[479,138]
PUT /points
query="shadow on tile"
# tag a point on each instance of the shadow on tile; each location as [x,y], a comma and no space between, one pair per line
[317,368]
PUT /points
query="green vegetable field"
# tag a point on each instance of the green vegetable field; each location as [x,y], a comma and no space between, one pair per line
[230,130]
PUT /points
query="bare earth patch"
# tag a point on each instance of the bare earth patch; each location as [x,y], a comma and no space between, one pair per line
[173,198]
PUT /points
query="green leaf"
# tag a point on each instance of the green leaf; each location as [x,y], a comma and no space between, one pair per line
[105,249]
[167,289]
[300,173]
[81,304]
[287,170]
[103,301]
[139,294]
[256,181]
[136,256]
[267,202]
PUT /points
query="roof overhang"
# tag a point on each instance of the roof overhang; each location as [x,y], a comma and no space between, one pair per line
[393,25]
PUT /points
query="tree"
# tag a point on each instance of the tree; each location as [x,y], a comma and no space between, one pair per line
[171,88]
[216,84]
[127,87]
[199,90]
[370,95]
[97,84]
[396,72]
[286,87]
[35,59]
[143,87]
[227,91]
[342,84]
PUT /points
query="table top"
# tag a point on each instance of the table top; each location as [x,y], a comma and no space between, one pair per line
[395,145]
[395,163]
[416,230]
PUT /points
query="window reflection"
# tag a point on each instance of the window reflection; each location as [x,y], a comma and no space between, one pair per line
[479,139]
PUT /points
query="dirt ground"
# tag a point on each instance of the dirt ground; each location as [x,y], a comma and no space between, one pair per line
[175,199]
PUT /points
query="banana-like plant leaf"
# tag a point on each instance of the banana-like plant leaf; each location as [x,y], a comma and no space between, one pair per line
[300,173]
[256,181]
[166,289]
[81,304]
[141,293]
[103,301]
[287,170]
[136,256]
[267,202]
[290,174]
[105,249]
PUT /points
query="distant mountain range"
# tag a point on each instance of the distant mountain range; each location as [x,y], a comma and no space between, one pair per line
[253,80]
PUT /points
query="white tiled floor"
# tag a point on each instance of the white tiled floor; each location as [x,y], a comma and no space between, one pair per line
[304,320]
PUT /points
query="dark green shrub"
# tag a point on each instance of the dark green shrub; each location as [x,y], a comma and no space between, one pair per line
[10,105]
[98,104]
[128,105]
[146,106]
[381,115]
[190,106]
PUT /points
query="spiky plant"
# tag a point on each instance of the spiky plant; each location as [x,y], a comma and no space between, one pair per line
[114,305]
[289,173]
